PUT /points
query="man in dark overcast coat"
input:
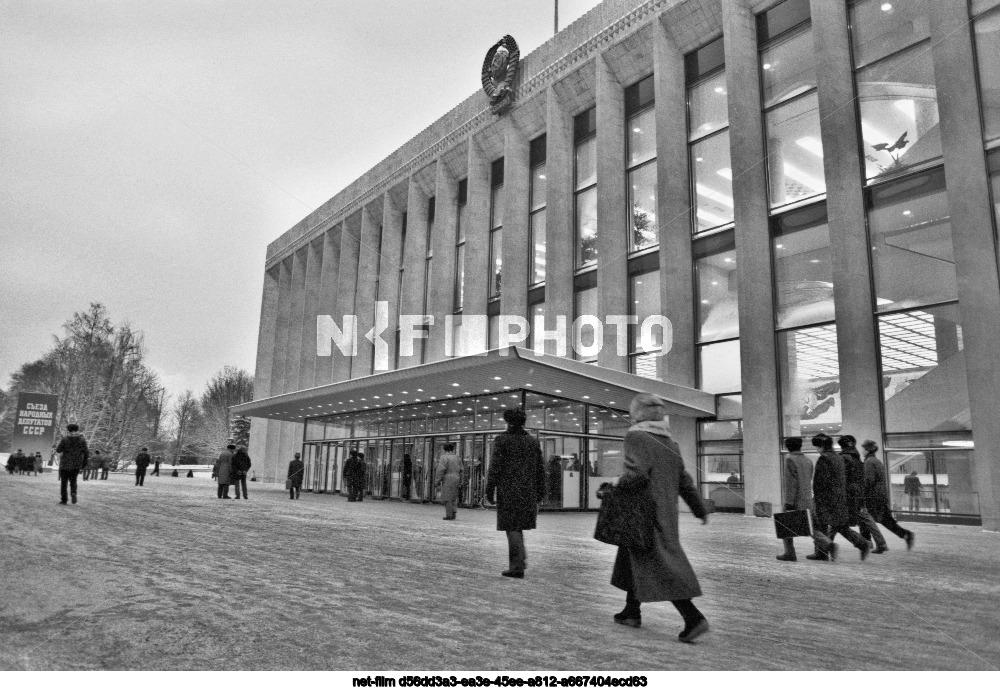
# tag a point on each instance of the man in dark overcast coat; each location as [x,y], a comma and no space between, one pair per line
[516,483]
[73,455]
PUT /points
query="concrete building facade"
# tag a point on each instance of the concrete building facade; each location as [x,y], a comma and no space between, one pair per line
[806,190]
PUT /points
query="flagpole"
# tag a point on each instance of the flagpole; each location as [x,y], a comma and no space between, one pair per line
[557,18]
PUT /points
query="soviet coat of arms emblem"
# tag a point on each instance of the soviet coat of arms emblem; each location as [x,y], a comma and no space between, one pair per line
[499,70]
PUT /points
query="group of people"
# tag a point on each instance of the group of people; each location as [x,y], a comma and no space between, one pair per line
[24,464]
[355,474]
[843,491]
[97,464]
[231,469]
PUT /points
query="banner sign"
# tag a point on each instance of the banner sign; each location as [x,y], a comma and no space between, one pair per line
[35,424]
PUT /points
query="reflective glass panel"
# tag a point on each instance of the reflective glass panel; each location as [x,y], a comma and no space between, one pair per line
[606,421]
[979,6]
[315,429]
[536,310]
[717,301]
[897,99]
[645,293]
[585,304]
[537,274]
[708,106]
[788,68]
[923,370]
[641,137]
[538,178]
[459,294]
[713,182]
[880,28]
[644,231]
[606,459]
[720,430]
[562,459]
[794,151]
[721,470]
[496,260]
[719,367]
[586,228]
[496,207]
[586,163]
[988,60]
[494,327]
[810,381]
[912,257]
[644,365]
[803,276]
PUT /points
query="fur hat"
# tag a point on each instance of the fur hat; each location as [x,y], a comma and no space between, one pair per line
[869,445]
[647,406]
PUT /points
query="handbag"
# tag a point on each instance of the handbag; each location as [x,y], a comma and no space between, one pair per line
[793,524]
[627,518]
[288,483]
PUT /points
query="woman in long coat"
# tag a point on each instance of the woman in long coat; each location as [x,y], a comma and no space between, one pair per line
[515,483]
[224,471]
[449,476]
[653,461]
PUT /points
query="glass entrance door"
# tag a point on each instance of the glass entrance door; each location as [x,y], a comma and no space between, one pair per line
[565,472]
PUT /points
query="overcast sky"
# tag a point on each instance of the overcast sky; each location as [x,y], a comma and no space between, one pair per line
[150,150]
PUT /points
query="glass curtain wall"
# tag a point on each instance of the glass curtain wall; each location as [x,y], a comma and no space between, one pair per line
[924,385]
[536,221]
[644,300]
[640,163]
[808,364]
[399,286]
[894,80]
[986,28]
[458,291]
[585,187]
[581,443]
[378,289]
[586,340]
[496,228]
[428,272]
[708,137]
[790,102]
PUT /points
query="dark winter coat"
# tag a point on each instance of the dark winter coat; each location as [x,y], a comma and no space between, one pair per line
[854,476]
[17,459]
[142,461]
[876,495]
[296,469]
[516,479]
[798,482]
[912,485]
[224,468]
[664,572]
[73,452]
[241,463]
[830,490]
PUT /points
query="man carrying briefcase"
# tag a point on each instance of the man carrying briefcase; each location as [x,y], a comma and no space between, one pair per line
[798,497]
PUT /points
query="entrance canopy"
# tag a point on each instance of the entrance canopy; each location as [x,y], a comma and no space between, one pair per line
[490,372]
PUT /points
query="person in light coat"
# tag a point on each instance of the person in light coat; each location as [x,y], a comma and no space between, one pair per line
[449,478]
[224,471]
[799,497]
[653,461]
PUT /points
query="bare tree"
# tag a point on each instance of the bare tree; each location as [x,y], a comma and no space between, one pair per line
[185,417]
[229,387]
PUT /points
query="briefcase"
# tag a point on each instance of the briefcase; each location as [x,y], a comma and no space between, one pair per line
[793,524]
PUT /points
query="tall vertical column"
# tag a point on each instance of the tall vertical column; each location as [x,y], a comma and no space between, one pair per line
[290,435]
[558,218]
[857,342]
[364,302]
[388,282]
[347,281]
[314,269]
[974,244]
[673,201]
[477,242]
[327,301]
[280,352]
[261,428]
[612,248]
[442,285]
[761,438]
[414,261]
[516,181]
